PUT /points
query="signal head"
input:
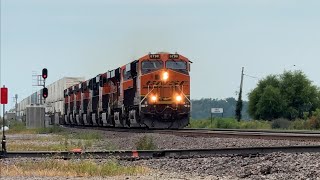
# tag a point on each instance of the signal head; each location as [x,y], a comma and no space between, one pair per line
[44,73]
[45,92]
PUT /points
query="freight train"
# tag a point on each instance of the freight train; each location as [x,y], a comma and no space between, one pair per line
[151,92]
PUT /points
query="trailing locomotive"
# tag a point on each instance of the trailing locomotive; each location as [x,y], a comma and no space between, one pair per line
[153,92]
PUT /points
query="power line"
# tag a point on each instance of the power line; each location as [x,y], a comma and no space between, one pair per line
[251,76]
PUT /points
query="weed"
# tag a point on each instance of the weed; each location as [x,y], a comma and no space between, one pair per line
[83,168]
[110,146]
[52,129]
[33,147]
[87,136]
[146,143]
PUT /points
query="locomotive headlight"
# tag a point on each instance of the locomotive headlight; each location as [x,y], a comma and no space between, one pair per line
[165,76]
[178,98]
[154,98]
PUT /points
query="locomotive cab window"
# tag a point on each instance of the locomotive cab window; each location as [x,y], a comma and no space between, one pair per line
[126,75]
[149,66]
[177,65]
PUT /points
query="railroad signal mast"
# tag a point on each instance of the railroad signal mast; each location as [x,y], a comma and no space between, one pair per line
[44,90]
[40,80]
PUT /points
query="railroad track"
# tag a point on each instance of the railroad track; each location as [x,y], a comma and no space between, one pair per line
[149,154]
[247,134]
[223,133]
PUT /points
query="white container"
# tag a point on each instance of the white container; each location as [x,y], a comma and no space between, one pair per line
[55,101]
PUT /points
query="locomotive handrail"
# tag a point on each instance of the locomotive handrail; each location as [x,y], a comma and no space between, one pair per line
[147,95]
[185,95]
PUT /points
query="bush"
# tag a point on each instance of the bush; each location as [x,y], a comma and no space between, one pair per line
[280,123]
[146,143]
[227,123]
[314,122]
[17,126]
[205,123]
[254,124]
[299,124]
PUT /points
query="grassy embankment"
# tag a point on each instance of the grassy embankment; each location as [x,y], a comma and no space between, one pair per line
[59,140]
[231,123]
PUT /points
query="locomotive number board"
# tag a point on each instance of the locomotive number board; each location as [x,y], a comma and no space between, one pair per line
[173,56]
[154,56]
[157,56]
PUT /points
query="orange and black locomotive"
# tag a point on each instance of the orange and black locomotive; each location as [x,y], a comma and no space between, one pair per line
[153,92]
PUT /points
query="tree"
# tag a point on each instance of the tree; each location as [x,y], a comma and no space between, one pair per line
[256,94]
[271,104]
[288,96]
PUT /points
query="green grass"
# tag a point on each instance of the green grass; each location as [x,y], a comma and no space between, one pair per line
[87,136]
[17,127]
[52,129]
[229,123]
[312,123]
[33,147]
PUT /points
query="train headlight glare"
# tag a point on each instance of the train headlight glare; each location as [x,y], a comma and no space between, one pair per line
[178,98]
[154,98]
[165,76]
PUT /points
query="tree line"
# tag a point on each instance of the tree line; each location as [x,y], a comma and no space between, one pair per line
[201,109]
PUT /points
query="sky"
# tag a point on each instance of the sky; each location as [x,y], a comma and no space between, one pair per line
[83,38]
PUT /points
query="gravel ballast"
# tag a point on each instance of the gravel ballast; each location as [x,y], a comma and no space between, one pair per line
[127,141]
[271,166]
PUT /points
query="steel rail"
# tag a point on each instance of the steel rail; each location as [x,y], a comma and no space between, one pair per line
[149,154]
[198,129]
[245,134]
[224,133]
[257,130]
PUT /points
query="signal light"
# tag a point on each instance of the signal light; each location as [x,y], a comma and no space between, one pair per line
[45,92]
[44,73]
[165,76]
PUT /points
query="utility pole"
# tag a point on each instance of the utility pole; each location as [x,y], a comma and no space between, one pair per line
[239,102]
[16,106]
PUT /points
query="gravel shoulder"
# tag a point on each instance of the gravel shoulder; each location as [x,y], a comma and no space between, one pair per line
[277,166]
